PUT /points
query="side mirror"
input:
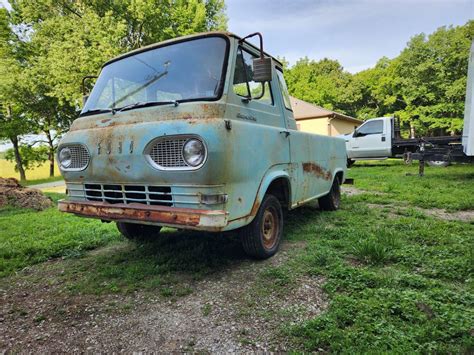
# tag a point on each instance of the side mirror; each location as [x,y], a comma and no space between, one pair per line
[358,134]
[262,69]
[84,100]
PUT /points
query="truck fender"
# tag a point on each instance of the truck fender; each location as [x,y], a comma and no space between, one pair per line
[341,172]
[268,178]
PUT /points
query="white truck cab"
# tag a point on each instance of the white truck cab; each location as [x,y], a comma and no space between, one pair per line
[372,140]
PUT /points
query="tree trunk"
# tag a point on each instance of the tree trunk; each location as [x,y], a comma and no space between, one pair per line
[18,161]
[412,130]
[50,153]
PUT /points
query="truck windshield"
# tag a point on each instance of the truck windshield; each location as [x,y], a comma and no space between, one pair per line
[184,71]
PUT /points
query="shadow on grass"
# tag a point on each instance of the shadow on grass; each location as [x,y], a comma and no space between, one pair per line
[171,264]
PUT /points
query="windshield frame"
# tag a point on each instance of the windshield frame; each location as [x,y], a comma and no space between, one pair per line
[170,43]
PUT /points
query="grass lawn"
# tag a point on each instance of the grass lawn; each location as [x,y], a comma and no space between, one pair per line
[397,279]
[449,188]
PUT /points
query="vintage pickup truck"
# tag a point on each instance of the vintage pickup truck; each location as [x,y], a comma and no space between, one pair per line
[196,133]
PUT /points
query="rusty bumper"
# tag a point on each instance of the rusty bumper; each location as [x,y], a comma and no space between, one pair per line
[185,218]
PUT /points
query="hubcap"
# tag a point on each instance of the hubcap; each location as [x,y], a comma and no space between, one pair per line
[269,228]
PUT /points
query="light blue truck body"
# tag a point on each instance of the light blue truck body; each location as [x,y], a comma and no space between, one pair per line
[251,147]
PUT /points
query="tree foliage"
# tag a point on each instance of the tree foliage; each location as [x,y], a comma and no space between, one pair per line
[32,156]
[424,86]
[325,83]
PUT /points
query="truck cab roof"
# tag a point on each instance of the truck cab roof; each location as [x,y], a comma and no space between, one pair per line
[185,38]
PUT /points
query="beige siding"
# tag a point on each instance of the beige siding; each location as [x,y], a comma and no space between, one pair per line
[315,125]
[342,127]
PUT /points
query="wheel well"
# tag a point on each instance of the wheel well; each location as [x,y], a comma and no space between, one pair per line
[280,188]
[340,176]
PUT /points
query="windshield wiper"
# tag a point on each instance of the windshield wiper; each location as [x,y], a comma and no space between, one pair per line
[145,104]
[94,111]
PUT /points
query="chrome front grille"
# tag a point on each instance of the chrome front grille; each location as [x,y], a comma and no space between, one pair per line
[80,157]
[113,193]
[168,153]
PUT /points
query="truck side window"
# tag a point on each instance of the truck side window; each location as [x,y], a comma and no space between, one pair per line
[284,89]
[243,83]
[373,127]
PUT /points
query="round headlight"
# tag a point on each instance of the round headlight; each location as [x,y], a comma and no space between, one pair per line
[65,157]
[194,152]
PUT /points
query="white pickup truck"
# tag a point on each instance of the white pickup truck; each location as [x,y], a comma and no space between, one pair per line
[379,138]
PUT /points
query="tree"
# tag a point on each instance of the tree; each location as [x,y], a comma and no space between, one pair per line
[324,83]
[12,122]
[31,156]
[430,76]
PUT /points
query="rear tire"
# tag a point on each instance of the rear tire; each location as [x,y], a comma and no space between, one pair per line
[138,232]
[261,238]
[350,162]
[332,200]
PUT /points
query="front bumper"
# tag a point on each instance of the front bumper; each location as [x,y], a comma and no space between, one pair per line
[185,218]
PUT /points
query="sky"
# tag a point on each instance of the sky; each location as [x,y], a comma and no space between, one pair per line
[355,32]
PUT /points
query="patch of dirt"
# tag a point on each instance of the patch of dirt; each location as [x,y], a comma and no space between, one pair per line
[224,313]
[12,193]
[353,191]
[464,216]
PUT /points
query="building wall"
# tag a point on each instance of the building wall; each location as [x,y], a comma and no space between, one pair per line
[320,126]
[342,127]
[315,125]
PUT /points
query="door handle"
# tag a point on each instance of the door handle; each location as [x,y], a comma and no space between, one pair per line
[286,133]
[383,139]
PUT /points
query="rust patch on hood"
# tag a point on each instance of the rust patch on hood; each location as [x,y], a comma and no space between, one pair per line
[194,112]
[317,170]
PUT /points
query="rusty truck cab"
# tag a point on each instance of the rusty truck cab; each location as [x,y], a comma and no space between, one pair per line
[194,133]
[154,143]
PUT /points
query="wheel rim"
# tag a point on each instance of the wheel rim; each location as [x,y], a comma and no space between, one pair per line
[270,228]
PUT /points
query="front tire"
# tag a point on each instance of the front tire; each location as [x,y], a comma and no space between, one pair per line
[332,200]
[261,238]
[138,232]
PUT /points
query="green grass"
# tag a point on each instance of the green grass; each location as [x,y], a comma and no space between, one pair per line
[402,285]
[28,237]
[446,188]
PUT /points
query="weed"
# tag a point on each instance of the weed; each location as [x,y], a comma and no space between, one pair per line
[206,309]
[371,251]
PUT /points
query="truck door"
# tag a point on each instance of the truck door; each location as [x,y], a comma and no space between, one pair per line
[371,140]
[255,142]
